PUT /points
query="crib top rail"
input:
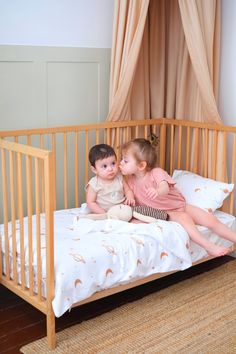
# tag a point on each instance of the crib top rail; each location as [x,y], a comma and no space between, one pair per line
[117,124]
[24,149]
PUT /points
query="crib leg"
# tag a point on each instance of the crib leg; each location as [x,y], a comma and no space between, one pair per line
[51,330]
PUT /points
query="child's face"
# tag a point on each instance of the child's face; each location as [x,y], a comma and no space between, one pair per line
[128,164]
[106,168]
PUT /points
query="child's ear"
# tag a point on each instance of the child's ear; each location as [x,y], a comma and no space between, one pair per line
[142,165]
[93,169]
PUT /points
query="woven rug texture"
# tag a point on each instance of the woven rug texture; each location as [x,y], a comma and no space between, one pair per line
[197,315]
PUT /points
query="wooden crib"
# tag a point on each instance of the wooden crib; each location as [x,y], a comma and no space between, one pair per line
[43,170]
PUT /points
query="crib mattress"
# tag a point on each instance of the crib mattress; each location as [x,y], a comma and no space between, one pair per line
[95,255]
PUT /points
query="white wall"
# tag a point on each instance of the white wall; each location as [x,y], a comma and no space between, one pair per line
[227,88]
[227,92]
[63,23]
[88,23]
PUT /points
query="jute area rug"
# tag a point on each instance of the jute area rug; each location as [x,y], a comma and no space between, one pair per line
[197,315]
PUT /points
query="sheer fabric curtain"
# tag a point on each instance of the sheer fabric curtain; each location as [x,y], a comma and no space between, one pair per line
[201,25]
[128,27]
[165,60]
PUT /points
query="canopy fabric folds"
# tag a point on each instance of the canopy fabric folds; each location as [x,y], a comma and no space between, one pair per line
[165,60]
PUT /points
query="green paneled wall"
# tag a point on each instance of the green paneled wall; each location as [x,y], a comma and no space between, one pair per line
[51,86]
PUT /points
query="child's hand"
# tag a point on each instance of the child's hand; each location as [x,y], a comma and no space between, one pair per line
[129,201]
[151,193]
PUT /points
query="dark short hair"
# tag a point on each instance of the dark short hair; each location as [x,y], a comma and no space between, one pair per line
[100,152]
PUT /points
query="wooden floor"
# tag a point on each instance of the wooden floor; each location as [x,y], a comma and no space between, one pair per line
[20,323]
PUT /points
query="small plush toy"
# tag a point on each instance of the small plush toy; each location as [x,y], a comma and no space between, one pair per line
[126,213]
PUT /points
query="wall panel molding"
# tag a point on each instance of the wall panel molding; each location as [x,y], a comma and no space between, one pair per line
[51,86]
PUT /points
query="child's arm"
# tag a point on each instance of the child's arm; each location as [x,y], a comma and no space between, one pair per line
[91,200]
[129,195]
[162,189]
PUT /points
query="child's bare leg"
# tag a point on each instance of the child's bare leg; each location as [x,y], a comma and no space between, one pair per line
[187,222]
[201,217]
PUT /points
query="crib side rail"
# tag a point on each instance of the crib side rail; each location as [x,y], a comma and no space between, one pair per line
[26,180]
[207,149]
[70,146]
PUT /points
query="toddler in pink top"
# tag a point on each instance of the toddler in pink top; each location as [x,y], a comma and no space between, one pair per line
[153,187]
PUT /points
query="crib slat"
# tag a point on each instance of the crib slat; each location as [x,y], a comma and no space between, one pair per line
[180,147]
[13,216]
[38,227]
[214,150]
[29,215]
[49,231]
[145,131]
[65,169]
[117,143]
[127,134]
[86,154]
[21,221]
[224,160]
[171,149]
[162,155]
[154,129]
[97,136]
[206,152]
[195,166]
[76,171]
[5,213]
[188,149]
[42,146]
[54,163]
[108,136]
[16,140]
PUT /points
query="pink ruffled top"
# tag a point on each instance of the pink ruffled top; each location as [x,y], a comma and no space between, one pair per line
[173,201]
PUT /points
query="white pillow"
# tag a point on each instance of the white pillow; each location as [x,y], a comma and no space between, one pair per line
[203,192]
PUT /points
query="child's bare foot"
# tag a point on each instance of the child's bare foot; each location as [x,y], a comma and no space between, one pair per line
[217,251]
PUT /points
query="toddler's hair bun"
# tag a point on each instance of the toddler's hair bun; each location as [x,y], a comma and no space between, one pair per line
[154,140]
